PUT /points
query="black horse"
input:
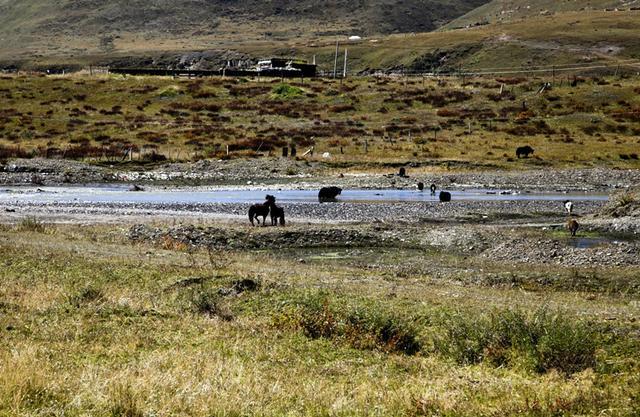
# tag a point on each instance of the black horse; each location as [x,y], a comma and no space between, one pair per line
[276,213]
[329,193]
[261,210]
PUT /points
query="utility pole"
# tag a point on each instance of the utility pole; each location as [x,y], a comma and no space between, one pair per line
[344,70]
[335,62]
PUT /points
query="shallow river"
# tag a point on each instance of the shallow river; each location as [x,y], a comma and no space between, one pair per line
[121,194]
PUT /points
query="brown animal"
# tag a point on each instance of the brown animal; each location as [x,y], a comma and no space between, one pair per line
[572,226]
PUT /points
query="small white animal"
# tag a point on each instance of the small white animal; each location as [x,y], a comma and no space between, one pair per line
[568,206]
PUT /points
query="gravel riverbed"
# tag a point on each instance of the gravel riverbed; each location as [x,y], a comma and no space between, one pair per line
[300,174]
[463,211]
[497,231]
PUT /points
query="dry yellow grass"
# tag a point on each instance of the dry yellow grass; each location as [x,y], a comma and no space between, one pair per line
[132,347]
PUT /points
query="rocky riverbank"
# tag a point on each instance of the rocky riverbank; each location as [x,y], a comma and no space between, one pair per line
[486,243]
[487,212]
[302,174]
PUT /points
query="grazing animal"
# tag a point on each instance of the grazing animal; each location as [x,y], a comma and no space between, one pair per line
[261,210]
[402,172]
[445,196]
[420,186]
[329,193]
[524,151]
[572,226]
[433,189]
[568,206]
[275,212]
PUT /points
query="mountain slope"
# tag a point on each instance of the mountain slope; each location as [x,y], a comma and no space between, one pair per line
[510,10]
[206,34]
[32,19]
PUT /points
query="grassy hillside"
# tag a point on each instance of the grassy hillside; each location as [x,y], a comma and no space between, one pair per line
[358,121]
[84,26]
[568,38]
[509,10]
[581,37]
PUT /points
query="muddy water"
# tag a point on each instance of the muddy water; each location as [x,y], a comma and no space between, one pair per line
[592,242]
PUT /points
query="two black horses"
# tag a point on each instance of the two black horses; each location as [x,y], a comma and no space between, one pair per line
[268,208]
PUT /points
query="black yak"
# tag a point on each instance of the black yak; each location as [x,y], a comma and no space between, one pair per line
[445,196]
[329,193]
[524,151]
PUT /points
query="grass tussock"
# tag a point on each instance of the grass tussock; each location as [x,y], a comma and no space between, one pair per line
[86,295]
[362,328]
[124,402]
[626,203]
[32,224]
[540,341]
[206,301]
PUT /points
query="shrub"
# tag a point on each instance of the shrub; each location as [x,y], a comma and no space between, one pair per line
[205,301]
[86,295]
[371,329]
[622,204]
[317,318]
[540,341]
[368,328]
[285,91]
[341,108]
[448,113]
[511,81]
[32,224]
[124,402]
[196,106]
[7,152]
[155,157]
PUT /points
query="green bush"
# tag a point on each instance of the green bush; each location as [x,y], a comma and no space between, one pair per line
[285,91]
[540,341]
[367,327]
